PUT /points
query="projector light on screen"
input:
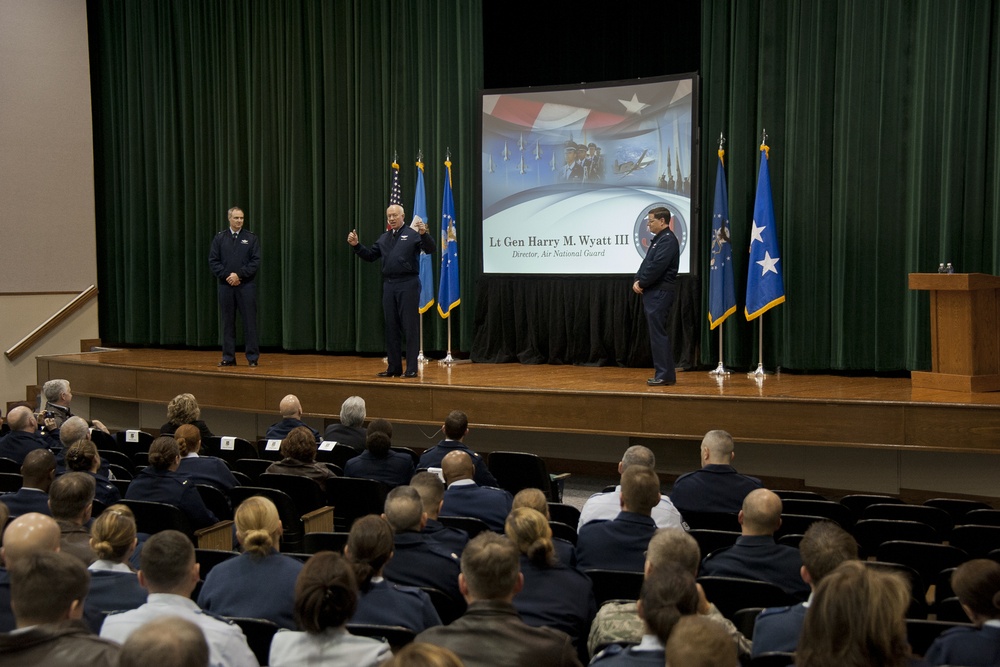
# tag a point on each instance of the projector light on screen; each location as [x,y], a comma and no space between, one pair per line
[569,175]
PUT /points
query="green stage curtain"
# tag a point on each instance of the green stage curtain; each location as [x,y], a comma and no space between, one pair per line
[293,110]
[882,119]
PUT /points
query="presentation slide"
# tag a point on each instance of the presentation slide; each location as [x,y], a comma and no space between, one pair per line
[569,175]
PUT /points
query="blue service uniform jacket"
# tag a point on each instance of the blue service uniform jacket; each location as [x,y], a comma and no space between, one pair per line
[558,597]
[165,486]
[713,488]
[454,539]
[778,629]
[482,502]
[113,591]
[241,258]
[24,501]
[105,492]
[420,561]
[759,557]
[284,427]
[17,444]
[400,259]
[432,459]
[659,267]
[386,603]
[615,545]
[250,586]
[395,469]
[208,470]
[966,646]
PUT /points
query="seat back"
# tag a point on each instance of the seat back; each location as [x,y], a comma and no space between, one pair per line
[9,465]
[10,482]
[252,468]
[712,521]
[269,449]
[730,594]
[564,513]
[469,524]
[977,541]
[313,543]
[745,619]
[922,633]
[564,531]
[291,521]
[395,635]
[713,540]
[352,498]
[120,472]
[151,518]
[799,495]
[334,452]
[857,502]
[304,492]
[982,517]
[103,440]
[216,501]
[927,559]
[956,507]
[519,470]
[409,452]
[918,589]
[615,585]
[209,558]
[824,508]
[934,517]
[447,607]
[133,440]
[870,533]
[796,524]
[259,633]
[229,448]
[773,659]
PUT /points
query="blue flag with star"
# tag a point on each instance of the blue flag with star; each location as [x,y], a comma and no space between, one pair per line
[721,284]
[765,286]
[449,295]
[426,270]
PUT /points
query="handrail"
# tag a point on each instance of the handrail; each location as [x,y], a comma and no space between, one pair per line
[48,325]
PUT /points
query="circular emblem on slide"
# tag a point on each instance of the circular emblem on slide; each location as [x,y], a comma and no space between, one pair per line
[643,238]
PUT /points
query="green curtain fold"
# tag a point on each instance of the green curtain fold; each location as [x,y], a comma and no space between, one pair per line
[292,109]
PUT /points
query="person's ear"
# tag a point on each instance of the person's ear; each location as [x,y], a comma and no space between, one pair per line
[75,610]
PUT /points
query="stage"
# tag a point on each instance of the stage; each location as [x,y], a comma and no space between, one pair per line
[786,409]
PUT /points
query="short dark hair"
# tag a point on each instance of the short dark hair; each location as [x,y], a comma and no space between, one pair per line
[380,425]
[299,444]
[640,489]
[404,508]
[456,424]
[37,466]
[490,564]
[166,559]
[378,443]
[70,494]
[824,546]
[326,593]
[431,490]
[169,641]
[44,585]
[661,213]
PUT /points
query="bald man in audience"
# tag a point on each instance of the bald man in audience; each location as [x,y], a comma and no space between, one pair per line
[620,544]
[755,554]
[619,622]
[419,560]
[165,642]
[716,487]
[23,436]
[607,505]
[71,501]
[464,497]
[28,534]
[290,410]
[431,490]
[824,546]
[37,473]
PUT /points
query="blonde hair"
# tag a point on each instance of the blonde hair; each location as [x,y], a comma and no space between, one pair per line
[528,529]
[258,527]
[533,498]
[183,409]
[112,536]
[188,438]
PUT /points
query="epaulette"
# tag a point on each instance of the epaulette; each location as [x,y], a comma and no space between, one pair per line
[772,611]
[216,617]
[609,652]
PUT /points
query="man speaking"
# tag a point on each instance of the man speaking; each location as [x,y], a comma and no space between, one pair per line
[655,282]
[399,249]
[234,259]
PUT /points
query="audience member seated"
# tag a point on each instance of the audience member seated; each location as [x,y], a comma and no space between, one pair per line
[298,450]
[74,430]
[619,622]
[698,642]
[159,482]
[606,506]
[47,594]
[755,554]
[291,417]
[37,473]
[668,593]
[490,633]
[83,457]
[349,431]
[165,642]
[824,546]
[71,500]
[621,544]
[369,548]
[464,497]
[977,585]
[57,399]
[716,487]
[201,469]
[420,654]
[536,500]
[456,427]
[431,490]
[554,594]
[114,585]
[259,582]
[183,409]
[23,436]
[857,617]
[419,560]
[326,596]
[169,572]
[26,535]
[380,463]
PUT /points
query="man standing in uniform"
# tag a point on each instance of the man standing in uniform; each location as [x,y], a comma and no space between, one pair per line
[655,282]
[400,252]
[234,259]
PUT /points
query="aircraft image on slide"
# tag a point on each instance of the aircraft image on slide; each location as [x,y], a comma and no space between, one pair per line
[626,168]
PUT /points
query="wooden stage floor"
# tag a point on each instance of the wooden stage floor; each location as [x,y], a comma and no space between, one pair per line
[822,410]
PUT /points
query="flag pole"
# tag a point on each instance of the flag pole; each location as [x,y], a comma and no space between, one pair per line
[759,373]
[720,370]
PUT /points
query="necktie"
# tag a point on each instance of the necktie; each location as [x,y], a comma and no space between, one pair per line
[234,237]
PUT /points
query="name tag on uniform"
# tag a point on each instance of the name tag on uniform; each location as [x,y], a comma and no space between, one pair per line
[227,444]
[272,445]
[327,445]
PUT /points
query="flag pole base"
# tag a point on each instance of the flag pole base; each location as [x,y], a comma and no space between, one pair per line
[452,361]
[421,359]
[759,373]
[720,371]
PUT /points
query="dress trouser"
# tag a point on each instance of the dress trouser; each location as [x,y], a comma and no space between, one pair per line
[242,298]
[657,303]
[401,303]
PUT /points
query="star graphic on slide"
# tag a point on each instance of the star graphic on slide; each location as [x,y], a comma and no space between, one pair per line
[767,264]
[634,105]
[755,233]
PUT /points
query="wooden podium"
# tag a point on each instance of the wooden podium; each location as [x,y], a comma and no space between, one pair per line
[965,331]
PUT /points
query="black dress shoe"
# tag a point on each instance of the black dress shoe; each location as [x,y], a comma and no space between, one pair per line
[410,374]
[387,374]
[227,363]
[655,382]
[251,363]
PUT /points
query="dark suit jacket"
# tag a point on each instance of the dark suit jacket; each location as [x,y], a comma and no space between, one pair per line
[386,603]
[420,561]
[778,629]
[395,469]
[433,456]
[279,430]
[353,436]
[208,470]
[173,489]
[16,445]
[490,634]
[714,488]
[558,597]
[759,557]
[966,646]
[482,502]
[24,501]
[615,545]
